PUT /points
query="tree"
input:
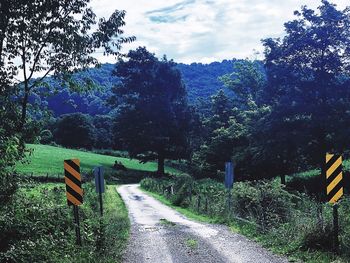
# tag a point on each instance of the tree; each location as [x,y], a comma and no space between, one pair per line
[308,84]
[103,130]
[248,81]
[52,37]
[153,117]
[217,142]
[75,130]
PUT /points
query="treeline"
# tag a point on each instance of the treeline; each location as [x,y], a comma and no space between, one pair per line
[201,81]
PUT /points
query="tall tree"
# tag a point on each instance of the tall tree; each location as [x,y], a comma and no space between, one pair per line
[248,81]
[308,83]
[75,131]
[52,37]
[153,117]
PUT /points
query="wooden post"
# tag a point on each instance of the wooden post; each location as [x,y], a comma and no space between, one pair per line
[206,205]
[335,229]
[198,203]
[191,192]
[77,224]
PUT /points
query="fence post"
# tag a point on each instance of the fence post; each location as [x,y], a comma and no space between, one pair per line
[191,192]
[198,203]
[206,205]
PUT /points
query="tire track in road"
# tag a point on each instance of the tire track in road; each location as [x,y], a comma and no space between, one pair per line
[161,234]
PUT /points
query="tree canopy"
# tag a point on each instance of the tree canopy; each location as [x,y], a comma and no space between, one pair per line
[308,83]
[152,119]
[52,37]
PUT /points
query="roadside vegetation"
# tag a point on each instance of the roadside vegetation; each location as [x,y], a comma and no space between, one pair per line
[37,226]
[283,220]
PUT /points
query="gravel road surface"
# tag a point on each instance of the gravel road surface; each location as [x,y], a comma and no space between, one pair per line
[161,234]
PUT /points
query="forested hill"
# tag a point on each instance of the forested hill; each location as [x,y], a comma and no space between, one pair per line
[201,81]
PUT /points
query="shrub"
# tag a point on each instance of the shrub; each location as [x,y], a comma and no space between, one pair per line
[46,137]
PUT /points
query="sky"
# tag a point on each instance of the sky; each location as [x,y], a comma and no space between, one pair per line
[203,30]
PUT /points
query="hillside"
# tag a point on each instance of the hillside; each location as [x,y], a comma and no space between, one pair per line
[49,160]
[201,81]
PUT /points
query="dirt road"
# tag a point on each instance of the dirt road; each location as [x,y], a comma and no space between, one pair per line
[161,234]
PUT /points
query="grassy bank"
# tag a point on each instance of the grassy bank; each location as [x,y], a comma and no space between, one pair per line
[46,159]
[37,226]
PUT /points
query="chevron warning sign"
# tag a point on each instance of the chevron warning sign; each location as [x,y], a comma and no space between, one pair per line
[334,178]
[72,179]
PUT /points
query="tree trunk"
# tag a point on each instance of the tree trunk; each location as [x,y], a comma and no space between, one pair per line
[24,108]
[160,163]
[283,179]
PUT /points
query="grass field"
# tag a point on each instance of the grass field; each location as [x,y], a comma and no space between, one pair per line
[49,160]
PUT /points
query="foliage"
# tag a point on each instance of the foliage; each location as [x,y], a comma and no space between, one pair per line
[308,87]
[29,233]
[75,130]
[103,125]
[152,120]
[52,37]
[46,137]
[287,112]
[230,123]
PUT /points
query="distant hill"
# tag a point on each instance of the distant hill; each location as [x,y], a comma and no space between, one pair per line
[201,81]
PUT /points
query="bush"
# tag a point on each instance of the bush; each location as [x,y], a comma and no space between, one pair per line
[181,187]
[46,137]
[266,202]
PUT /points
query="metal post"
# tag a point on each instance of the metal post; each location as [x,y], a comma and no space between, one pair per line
[335,228]
[77,224]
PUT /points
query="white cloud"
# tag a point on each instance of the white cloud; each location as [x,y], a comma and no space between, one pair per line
[203,30]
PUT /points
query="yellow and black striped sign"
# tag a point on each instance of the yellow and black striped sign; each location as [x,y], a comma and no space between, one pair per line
[72,179]
[334,178]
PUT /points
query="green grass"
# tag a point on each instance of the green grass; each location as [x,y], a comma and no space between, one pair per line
[186,212]
[49,160]
[192,243]
[165,222]
[118,227]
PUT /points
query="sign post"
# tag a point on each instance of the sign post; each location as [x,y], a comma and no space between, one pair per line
[334,191]
[100,185]
[229,175]
[74,192]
